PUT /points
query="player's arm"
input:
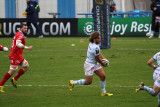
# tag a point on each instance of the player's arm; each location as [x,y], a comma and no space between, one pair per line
[102,57]
[98,56]
[150,63]
[99,59]
[2,48]
[20,45]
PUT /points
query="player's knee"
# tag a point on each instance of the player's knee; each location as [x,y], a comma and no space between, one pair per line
[88,82]
[11,72]
[12,69]
[26,67]
[103,78]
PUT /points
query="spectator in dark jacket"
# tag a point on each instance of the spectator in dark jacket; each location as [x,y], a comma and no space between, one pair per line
[32,16]
[113,7]
[154,27]
[37,8]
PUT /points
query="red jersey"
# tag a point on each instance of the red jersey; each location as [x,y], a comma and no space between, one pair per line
[1,48]
[16,52]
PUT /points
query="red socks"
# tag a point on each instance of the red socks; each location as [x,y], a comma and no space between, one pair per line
[6,77]
[20,72]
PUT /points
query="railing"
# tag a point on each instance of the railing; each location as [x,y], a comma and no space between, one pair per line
[54,14]
[122,14]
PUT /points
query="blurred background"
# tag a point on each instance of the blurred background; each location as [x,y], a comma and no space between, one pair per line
[67,8]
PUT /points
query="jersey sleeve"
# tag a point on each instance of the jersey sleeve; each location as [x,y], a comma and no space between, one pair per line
[97,51]
[155,56]
[1,47]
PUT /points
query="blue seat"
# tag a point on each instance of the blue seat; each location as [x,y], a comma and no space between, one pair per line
[147,13]
[137,15]
[130,15]
[118,15]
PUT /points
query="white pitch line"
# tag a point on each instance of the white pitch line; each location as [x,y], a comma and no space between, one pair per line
[138,40]
[136,49]
[86,49]
[63,50]
[118,86]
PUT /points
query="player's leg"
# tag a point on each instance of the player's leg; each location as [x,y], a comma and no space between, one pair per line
[100,73]
[158,99]
[25,67]
[28,24]
[86,81]
[159,28]
[151,91]
[12,70]
[151,32]
[38,29]
[89,69]
[156,86]
[155,24]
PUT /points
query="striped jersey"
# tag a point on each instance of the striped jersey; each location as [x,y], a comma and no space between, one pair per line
[92,52]
[156,57]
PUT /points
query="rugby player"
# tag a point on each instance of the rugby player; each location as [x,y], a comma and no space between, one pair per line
[16,59]
[156,77]
[91,65]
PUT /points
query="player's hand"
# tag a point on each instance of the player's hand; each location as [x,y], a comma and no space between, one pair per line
[30,48]
[154,67]
[24,14]
[104,64]
[155,8]
[5,49]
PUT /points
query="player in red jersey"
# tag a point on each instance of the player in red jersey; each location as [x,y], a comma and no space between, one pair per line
[16,59]
[2,48]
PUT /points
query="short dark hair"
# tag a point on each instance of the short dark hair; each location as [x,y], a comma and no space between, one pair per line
[21,26]
[93,36]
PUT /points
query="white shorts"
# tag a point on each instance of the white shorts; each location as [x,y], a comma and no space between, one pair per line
[157,19]
[156,78]
[89,68]
[23,64]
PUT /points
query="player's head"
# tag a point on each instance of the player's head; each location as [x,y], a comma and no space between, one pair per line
[23,28]
[95,37]
[28,0]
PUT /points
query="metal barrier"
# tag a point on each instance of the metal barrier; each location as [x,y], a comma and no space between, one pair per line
[123,14]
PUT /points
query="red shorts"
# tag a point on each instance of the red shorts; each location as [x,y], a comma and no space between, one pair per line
[16,60]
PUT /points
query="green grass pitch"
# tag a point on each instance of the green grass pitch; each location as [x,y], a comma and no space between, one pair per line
[53,62]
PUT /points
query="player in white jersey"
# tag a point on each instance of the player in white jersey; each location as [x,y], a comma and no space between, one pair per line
[91,65]
[156,77]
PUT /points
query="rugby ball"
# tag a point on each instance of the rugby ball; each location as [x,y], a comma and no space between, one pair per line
[106,62]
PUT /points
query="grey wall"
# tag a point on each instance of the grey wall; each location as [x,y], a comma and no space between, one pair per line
[82,6]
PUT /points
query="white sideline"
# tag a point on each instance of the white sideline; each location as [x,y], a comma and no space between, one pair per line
[67,86]
[86,49]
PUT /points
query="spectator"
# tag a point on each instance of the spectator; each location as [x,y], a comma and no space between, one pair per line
[37,8]
[154,26]
[32,16]
[112,7]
